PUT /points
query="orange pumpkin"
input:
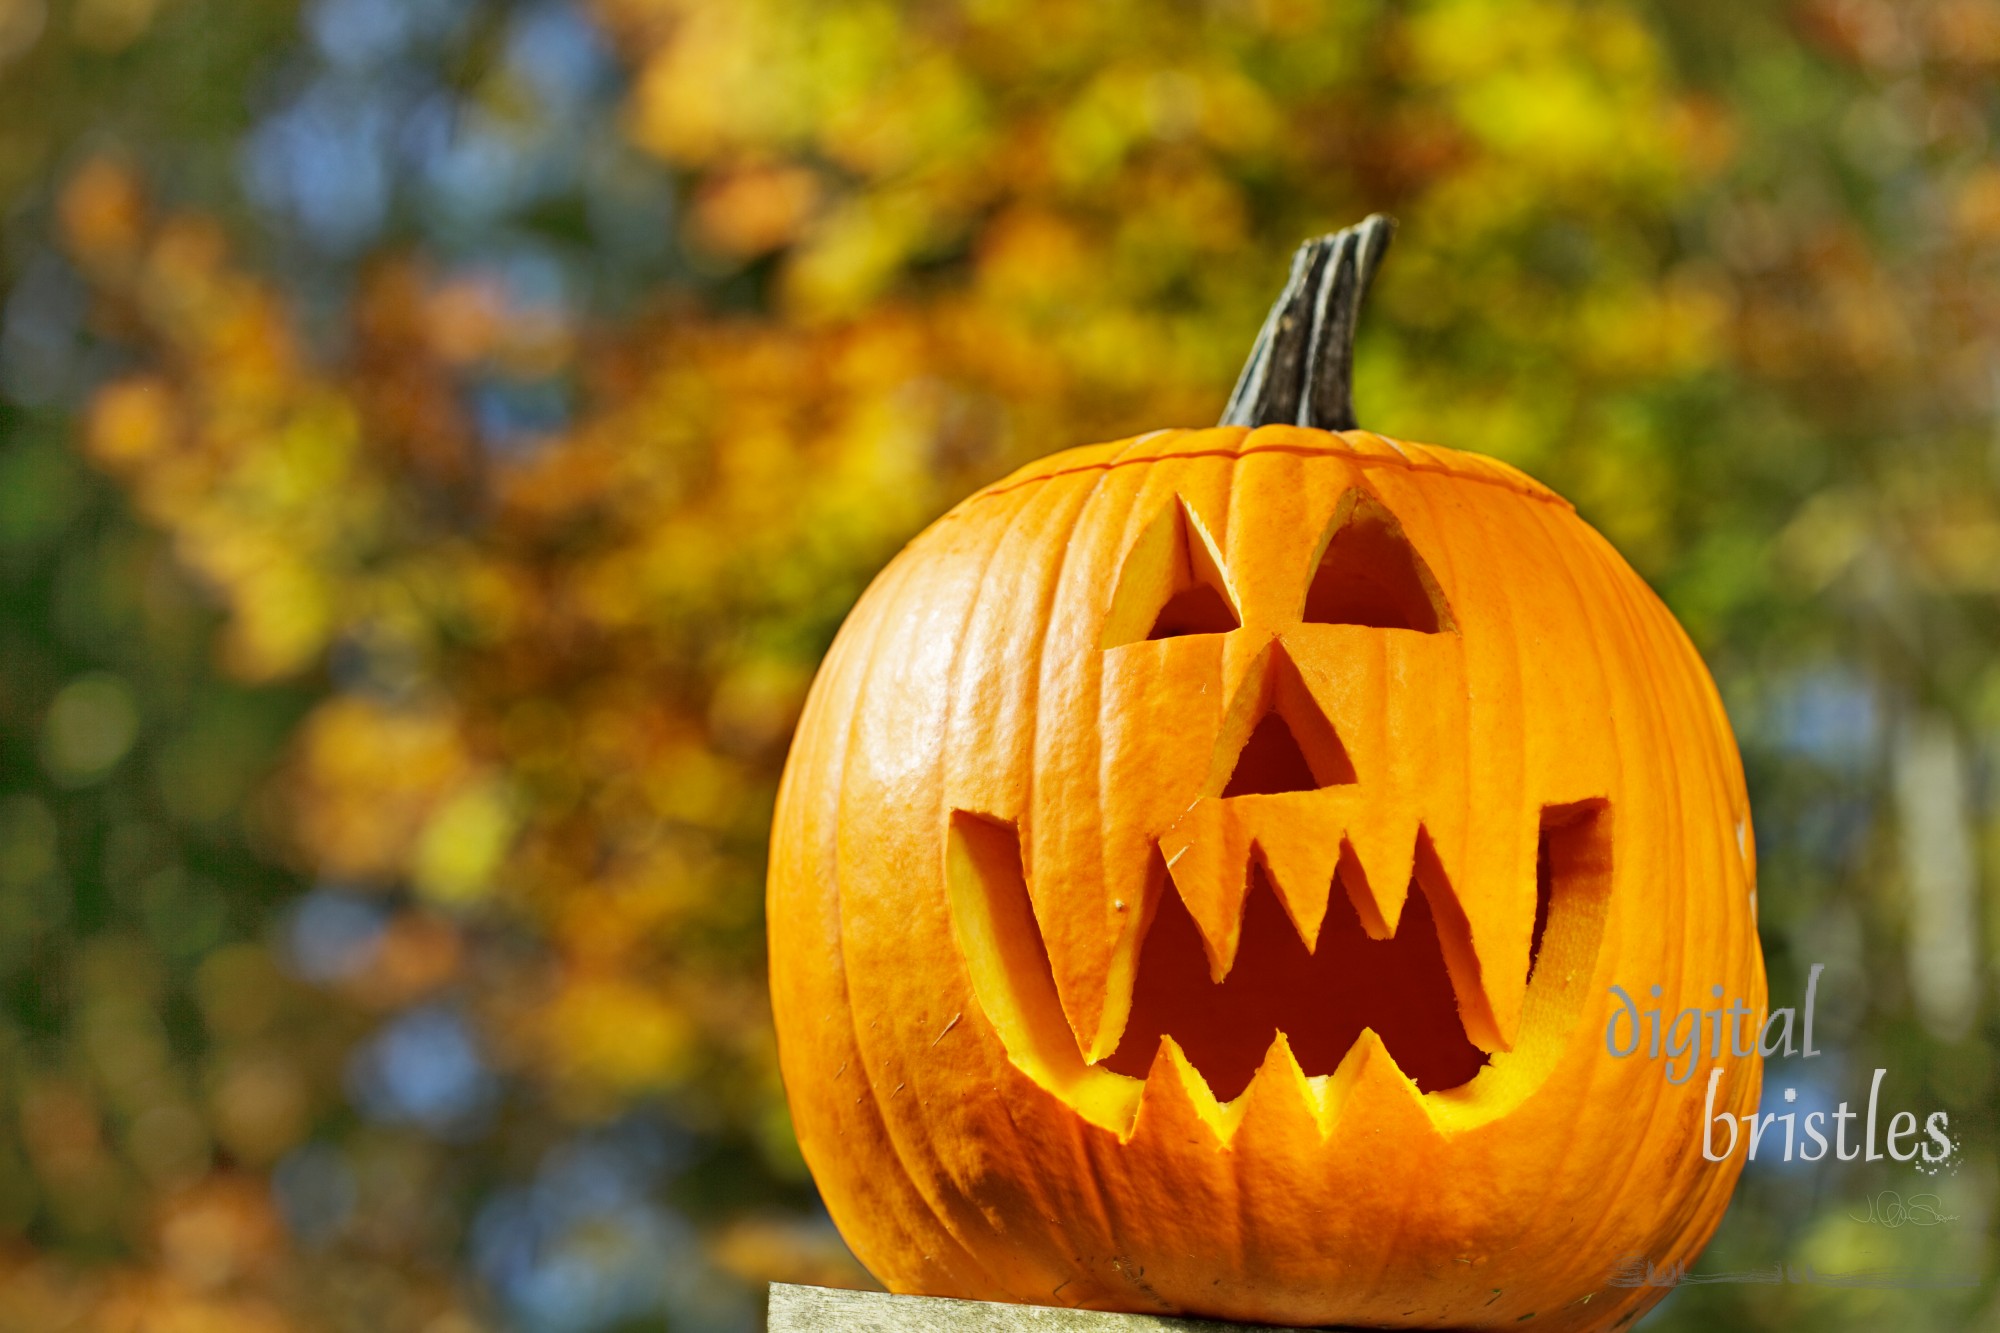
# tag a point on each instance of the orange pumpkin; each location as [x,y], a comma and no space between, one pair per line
[1203,862]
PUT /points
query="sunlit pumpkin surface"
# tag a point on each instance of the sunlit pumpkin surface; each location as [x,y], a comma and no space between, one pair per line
[1198,879]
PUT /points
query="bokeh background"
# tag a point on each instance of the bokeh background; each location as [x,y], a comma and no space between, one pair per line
[439,437]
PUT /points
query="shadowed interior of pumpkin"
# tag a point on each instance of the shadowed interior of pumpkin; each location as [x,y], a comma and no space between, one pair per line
[1367,573]
[1320,999]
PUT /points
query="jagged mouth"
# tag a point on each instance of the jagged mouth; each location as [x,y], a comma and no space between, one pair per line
[1321,997]
[1313,992]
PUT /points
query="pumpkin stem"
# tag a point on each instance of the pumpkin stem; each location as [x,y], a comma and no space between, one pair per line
[1301,370]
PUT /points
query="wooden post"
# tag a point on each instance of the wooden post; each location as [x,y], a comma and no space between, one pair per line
[827,1310]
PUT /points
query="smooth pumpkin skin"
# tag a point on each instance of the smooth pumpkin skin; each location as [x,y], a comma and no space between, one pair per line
[971,677]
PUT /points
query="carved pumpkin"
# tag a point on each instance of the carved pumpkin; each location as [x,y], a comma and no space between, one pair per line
[1203,861]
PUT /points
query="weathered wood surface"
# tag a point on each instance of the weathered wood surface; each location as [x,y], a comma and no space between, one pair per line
[827,1310]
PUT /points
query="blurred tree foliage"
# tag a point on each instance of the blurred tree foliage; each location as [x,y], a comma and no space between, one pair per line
[440,437]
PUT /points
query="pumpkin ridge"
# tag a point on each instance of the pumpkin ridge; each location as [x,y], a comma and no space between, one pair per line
[879,633]
[1630,617]
[1640,614]
[837,741]
[1519,483]
[1087,1002]
[1079,1145]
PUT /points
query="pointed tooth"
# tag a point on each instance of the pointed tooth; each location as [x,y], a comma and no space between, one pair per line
[1483,899]
[1285,1168]
[1471,981]
[1282,1113]
[1504,932]
[1349,879]
[1381,848]
[1207,854]
[1147,687]
[1148,878]
[1172,1151]
[1176,1106]
[1299,855]
[1489,917]
[1291,1160]
[1442,837]
[1076,936]
[1370,1089]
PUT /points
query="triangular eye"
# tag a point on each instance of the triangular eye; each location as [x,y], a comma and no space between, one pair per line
[1367,573]
[1172,584]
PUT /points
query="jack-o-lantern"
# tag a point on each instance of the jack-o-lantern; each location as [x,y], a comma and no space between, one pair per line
[1203,864]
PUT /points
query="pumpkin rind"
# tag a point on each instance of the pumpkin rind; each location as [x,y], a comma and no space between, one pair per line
[1178,672]
[970,679]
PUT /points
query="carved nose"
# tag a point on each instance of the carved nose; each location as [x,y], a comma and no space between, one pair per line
[1275,737]
[1272,761]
